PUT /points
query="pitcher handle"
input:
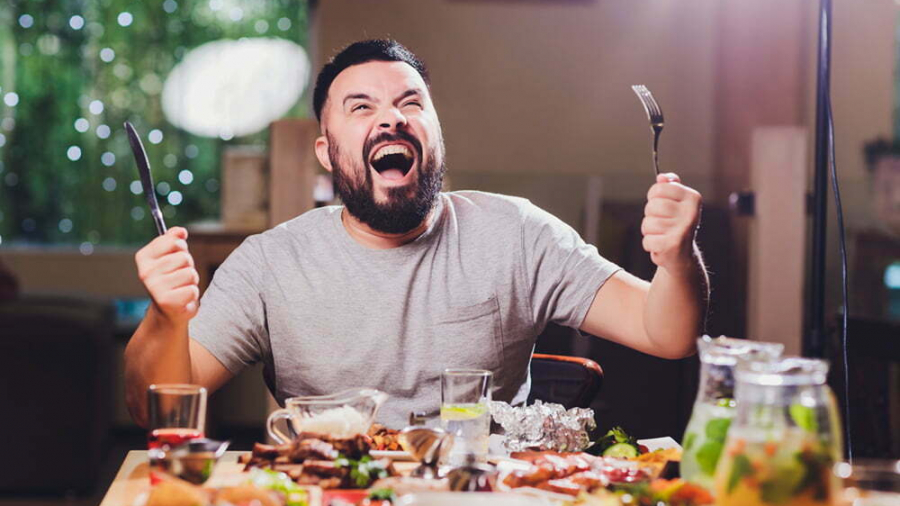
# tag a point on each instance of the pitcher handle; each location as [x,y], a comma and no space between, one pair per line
[274,432]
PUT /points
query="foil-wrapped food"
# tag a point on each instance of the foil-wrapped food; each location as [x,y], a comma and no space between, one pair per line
[544,426]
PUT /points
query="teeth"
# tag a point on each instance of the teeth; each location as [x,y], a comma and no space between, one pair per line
[392,149]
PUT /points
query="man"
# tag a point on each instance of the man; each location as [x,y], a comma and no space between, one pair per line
[404,281]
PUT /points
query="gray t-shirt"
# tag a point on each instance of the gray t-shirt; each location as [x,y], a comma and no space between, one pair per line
[324,313]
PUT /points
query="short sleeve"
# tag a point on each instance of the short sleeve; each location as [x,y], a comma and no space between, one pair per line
[565,273]
[231,322]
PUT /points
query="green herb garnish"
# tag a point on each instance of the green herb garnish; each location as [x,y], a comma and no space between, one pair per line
[383,494]
[363,471]
[280,482]
[615,436]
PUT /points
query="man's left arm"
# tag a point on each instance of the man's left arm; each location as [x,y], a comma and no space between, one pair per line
[663,317]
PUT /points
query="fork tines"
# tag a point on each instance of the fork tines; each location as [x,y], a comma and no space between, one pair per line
[651,107]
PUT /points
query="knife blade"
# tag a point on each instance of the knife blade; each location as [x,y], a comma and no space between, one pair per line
[140,157]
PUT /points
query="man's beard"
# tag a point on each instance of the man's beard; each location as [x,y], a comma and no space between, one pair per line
[401,211]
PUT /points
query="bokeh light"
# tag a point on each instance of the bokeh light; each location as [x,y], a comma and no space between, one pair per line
[185,177]
[74,153]
[107,54]
[125,19]
[108,159]
[233,88]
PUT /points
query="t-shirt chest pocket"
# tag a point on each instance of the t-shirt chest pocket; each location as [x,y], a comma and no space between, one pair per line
[469,336]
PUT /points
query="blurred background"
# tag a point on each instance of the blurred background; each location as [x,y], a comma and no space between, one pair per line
[534,98]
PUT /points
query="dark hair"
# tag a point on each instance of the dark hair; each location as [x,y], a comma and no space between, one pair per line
[362,52]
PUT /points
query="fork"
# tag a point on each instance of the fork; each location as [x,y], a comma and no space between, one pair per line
[655,115]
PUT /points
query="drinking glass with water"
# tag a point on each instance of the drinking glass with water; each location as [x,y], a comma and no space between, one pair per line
[465,412]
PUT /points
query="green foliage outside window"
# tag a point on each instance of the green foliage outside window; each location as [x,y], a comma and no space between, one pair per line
[71,72]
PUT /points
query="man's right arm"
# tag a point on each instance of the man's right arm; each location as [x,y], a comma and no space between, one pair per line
[161,351]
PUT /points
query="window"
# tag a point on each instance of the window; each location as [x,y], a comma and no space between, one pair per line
[72,72]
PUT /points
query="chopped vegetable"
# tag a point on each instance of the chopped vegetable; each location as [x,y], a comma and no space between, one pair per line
[663,492]
[363,471]
[294,494]
[621,451]
[619,439]
[382,494]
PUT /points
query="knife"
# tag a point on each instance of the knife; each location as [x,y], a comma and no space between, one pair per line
[140,156]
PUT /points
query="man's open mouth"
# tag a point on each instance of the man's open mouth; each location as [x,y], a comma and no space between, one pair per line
[393,161]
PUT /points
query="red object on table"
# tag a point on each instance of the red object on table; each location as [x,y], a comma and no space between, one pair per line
[347,496]
[171,437]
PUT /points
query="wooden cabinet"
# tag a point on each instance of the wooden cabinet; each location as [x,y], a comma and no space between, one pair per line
[210,244]
[292,170]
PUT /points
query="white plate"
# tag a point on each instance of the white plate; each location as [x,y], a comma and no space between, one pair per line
[393,455]
[659,443]
[471,499]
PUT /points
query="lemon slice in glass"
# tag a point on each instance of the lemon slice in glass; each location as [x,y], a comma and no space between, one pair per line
[458,412]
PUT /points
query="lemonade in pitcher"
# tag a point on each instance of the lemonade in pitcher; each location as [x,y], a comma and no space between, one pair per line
[785,437]
[714,408]
[795,470]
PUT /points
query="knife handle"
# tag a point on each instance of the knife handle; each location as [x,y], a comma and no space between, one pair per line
[158,220]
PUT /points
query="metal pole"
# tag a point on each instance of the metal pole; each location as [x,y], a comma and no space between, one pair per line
[814,340]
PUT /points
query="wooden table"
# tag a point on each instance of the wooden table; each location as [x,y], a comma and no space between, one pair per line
[133,478]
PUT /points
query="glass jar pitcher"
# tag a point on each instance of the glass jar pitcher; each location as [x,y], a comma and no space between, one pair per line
[343,414]
[704,437]
[785,437]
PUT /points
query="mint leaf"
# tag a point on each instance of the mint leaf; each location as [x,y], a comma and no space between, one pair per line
[804,417]
[708,456]
[717,429]
[689,439]
[740,468]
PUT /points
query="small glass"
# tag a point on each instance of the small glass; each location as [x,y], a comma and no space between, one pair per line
[704,437]
[466,414]
[785,437]
[176,413]
[869,482]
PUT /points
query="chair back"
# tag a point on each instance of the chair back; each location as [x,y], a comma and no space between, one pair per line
[874,358]
[570,381]
[56,360]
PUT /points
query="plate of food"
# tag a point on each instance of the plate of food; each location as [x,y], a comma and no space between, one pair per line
[386,444]
[323,460]
[260,487]
[398,455]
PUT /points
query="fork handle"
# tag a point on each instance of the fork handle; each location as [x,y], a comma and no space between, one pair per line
[656,132]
